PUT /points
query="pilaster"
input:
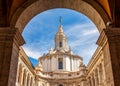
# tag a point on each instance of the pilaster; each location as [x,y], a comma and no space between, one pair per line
[99,78]
[26,79]
[109,40]
[17,77]
[22,76]
[10,40]
[96,78]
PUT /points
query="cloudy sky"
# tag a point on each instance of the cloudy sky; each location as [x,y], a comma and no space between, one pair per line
[40,31]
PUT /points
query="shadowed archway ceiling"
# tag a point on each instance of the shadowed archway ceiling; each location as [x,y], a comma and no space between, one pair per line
[9,7]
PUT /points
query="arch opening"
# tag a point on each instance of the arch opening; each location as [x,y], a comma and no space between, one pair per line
[80,31]
[60,85]
[29,10]
[23,17]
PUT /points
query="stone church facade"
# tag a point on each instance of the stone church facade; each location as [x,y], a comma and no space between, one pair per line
[61,67]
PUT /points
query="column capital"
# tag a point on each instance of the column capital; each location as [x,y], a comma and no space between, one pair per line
[11,34]
[111,35]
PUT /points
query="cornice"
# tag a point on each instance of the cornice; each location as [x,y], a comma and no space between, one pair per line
[18,38]
[113,35]
[63,79]
[11,34]
[26,61]
[94,60]
[59,53]
[109,35]
[102,40]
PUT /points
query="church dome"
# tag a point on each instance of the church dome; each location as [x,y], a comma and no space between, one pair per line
[60,59]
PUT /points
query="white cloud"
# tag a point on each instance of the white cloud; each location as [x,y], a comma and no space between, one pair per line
[79,30]
[81,34]
[90,32]
[84,37]
[36,49]
[87,52]
[33,52]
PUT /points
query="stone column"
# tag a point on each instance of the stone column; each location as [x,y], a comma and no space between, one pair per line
[74,84]
[17,76]
[22,77]
[26,78]
[96,77]
[99,80]
[29,80]
[109,40]
[93,78]
[103,72]
[65,84]
[10,40]
[89,81]
[33,82]
[92,82]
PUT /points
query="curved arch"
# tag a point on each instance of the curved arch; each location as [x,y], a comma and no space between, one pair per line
[60,85]
[30,9]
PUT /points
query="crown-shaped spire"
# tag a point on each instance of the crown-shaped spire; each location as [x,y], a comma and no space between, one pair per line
[60,38]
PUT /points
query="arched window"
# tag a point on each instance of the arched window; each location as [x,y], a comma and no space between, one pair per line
[60,44]
[60,63]
[60,85]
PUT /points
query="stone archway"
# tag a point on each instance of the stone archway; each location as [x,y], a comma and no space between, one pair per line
[30,9]
[90,9]
[109,39]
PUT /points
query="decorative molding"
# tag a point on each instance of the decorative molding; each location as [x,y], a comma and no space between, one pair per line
[109,35]
[11,34]
[102,39]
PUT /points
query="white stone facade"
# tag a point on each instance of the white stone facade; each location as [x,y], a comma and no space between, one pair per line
[51,64]
[25,72]
[60,67]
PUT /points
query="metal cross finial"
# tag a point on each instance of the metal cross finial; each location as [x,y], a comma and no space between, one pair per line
[60,20]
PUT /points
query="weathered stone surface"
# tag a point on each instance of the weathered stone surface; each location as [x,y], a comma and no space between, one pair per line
[110,42]
[9,57]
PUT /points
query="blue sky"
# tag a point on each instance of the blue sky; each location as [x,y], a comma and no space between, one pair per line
[40,31]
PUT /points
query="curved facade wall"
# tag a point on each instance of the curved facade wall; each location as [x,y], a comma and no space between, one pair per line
[50,63]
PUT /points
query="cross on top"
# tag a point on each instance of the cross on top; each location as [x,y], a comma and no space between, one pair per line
[60,20]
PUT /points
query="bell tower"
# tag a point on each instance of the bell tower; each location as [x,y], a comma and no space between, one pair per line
[60,38]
